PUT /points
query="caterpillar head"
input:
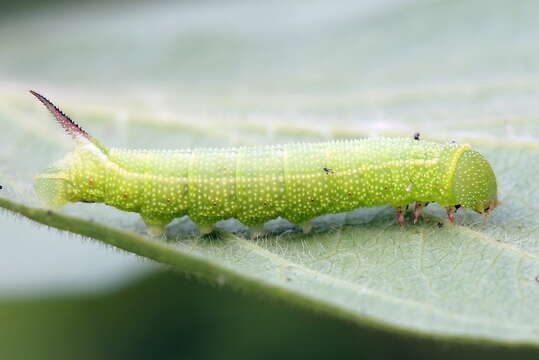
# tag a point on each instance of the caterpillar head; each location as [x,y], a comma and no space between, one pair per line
[474,183]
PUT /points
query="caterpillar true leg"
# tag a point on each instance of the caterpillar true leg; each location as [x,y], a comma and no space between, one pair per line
[400,216]
[417,210]
[451,214]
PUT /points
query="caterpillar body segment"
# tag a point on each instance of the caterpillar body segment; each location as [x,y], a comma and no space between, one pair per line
[256,184]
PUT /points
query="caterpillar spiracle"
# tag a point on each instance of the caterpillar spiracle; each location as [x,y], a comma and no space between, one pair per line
[256,184]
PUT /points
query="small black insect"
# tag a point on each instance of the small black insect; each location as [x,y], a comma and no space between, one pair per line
[416,136]
[1,187]
[328,171]
[440,225]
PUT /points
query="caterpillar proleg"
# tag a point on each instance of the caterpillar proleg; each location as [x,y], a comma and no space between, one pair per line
[256,184]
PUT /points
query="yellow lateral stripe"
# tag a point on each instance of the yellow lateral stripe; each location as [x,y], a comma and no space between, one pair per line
[417,162]
[453,166]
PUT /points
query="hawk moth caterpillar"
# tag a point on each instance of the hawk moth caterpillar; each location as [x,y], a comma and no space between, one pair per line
[256,184]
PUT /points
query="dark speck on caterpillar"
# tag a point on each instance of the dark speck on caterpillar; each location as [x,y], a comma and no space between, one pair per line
[256,184]
[328,171]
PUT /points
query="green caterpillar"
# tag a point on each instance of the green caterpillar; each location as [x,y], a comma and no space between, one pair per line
[256,184]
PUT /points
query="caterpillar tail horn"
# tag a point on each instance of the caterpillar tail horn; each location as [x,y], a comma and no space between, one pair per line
[54,185]
[71,127]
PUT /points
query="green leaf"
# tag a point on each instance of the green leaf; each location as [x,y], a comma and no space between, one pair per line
[328,75]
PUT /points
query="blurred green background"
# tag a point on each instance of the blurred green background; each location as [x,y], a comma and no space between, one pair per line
[327,68]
